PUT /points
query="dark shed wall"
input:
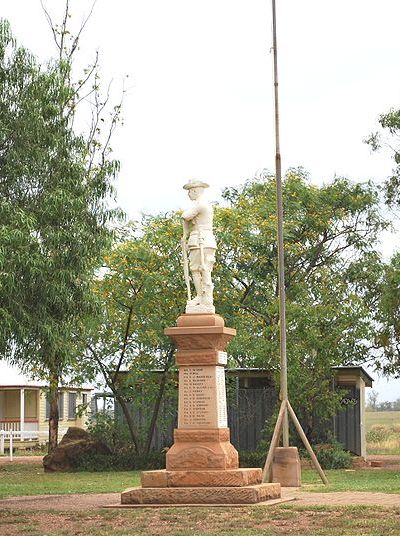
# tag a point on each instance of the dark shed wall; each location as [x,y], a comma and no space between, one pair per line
[247,417]
[249,408]
[347,422]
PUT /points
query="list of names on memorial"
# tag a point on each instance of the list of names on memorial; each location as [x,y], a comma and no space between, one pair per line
[222,416]
[199,397]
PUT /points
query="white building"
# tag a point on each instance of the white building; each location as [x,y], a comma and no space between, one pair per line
[24,407]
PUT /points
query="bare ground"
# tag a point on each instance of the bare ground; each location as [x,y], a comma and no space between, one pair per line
[90,501]
[5,460]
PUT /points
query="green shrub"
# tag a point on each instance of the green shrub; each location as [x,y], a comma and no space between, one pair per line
[333,456]
[99,462]
[123,456]
[330,456]
[252,458]
[114,462]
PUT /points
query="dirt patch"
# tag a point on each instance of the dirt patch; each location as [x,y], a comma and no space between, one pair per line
[345,498]
[385,459]
[84,502]
[73,501]
[32,460]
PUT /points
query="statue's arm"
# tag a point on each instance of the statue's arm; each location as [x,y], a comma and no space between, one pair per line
[190,213]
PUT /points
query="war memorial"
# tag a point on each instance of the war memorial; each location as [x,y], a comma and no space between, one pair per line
[202,466]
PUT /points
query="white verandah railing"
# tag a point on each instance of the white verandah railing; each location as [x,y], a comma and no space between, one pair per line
[10,431]
[14,425]
[15,435]
[10,426]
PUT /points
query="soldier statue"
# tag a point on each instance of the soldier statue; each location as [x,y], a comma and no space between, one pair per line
[199,248]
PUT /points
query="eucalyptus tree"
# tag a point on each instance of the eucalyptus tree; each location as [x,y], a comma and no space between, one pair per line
[387,340]
[55,185]
[333,273]
[387,343]
[389,137]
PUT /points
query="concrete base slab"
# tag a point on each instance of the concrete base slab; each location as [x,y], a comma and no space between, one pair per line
[204,495]
[206,478]
[270,502]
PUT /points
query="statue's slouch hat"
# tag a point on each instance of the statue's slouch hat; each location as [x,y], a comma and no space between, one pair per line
[193,183]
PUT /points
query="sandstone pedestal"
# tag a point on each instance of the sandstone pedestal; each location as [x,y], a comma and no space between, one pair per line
[202,466]
[286,467]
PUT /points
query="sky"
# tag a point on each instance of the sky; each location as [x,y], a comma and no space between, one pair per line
[199,101]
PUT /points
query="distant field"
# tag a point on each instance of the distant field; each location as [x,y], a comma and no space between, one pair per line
[386,418]
[383,432]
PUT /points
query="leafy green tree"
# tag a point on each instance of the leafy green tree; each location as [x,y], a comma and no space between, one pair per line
[54,190]
[139,295]
[387,340]
[332,274]
[332,268]
[389,136]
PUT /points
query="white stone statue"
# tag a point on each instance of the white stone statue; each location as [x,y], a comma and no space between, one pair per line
[199,245]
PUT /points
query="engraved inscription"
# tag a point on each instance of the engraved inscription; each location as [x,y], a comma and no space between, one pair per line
[222,417]
[202,398]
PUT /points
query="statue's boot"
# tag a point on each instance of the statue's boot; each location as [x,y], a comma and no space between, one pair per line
[207,296]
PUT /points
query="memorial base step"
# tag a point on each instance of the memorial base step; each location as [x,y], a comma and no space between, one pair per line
[179,479]
[202,495]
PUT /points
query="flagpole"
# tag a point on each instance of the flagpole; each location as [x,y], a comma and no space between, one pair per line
[281,261]
[282,423]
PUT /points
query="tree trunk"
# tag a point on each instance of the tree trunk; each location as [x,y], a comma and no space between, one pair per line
[157,405]
[53,417]
[129,421]
[156,410]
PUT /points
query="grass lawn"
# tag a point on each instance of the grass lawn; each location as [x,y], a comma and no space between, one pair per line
[26,479]
[374,480]
[287,518]
[249,521]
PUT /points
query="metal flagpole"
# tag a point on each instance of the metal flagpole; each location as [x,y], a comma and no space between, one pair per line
[282,424]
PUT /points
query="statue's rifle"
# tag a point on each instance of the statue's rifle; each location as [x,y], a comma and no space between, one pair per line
[186,261]
[201,245]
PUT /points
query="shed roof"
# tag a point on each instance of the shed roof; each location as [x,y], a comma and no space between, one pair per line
[358,371]
[263,372]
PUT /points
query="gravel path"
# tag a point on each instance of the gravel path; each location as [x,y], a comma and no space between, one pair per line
[386,459]
[86,501]
[5,460]
[344,498]
[73,501]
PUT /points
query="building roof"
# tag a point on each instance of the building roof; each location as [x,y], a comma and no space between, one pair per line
[359,371]
[263,372]
[11,376]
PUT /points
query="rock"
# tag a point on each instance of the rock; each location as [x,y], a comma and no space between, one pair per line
[73,434]
[75,443]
